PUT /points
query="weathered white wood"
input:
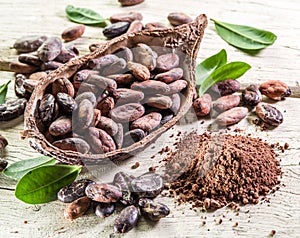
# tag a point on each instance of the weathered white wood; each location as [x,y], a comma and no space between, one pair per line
[280,61]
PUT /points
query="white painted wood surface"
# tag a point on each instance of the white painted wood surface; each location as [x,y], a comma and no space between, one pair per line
[280,61]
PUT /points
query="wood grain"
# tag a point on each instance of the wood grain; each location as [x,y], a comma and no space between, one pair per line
[280,61]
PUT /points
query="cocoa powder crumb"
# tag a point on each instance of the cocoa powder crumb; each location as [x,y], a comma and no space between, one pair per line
[272,232]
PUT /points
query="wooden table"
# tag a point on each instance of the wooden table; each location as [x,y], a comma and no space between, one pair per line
[280,61]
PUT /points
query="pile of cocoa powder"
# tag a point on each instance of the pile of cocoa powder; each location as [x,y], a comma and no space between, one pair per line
[214,170]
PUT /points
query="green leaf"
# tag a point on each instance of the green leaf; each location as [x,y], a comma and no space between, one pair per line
[84,16]
[206,67]
[18,169]
[244,37]
[231,70]
[3,91]
[42,184]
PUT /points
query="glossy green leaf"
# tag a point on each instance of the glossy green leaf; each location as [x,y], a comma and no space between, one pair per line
[3,92]
[244,37]
[206,67]
[18,169]
[42,184]
[231,70]
[84,16]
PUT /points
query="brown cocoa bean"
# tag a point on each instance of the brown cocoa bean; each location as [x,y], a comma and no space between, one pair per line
[97,116]
[177,86]
[108,125]
[12,109]
[104,209]
[159,101]
[61,126]
[99,63]
[67,54]
[104,193]
[77,208]
[63,85]
[81,76]
[119,136]
[126,95]
[226,102]
[226,87]
[30,59]
[126,3]
[176,102]
[3,164]
[66,103]
[101,82]
[29,85]
[3,142]
[128,217]
[151,87]
[19,86]
[85,115]
[124,53]
[167,62]
[21,68]
[147,122]
[122,79]
[139,71]
[115,29]
[106,105]
[178,18]
[275,89]
[251,96]
[73,144]
[231,116]
[127,112]
[143,54]
[28,44]
[47,108]
[115,68]
[202,105]
[100,141]
[155,26]
[269,114]
[170,76]
[126,17]
[135,26]
[87,87]
[73,32]
[50,49]
[38,75]
[86,95]
[50,65]
[132,136]
[154,211]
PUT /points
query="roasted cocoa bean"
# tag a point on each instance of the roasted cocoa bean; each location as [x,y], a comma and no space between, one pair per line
[12,109]
[126,95]
[28,44]
[153,211]
[67,54]
[21,68]
[155,26]
[73,32]
[147,122]
[170,76]
[66,103]
[86,95]
[29,85]
[177,86]
[30,59]
[3,142]
[104,209]
[167,62]
[115,68]
[135,26]
[100,141]
[85,115]
[81,76]
[101,82]
[126,17]
[144,55]
[126,3]
[107,125]
[73,191]
[159,101]
[251,96]
[50,49]
[226,102]
[226,87]
[77,208]
[123,181]
[202,105]
[269,114]
[166,118]
[275,89]
[122,79]
[19,86]
[106,105]
[87,87]
[147,185]
[74,144]
[99,63]
[47,108]
[38,75]
[3,164]
[127,219]
[176,102]
[231,116]
[178,18]
[132,136]
[127,112]
[61,126]
[115,29]
[151,87]
[139,71]
[104,193]
[124,53]
[50,65]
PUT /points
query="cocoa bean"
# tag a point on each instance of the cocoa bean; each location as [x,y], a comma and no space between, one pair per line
[159,101]
[50,65]
[202,105]
[30,59]
[67,54]
[122,79]
[81,76]
[119,136]
[177,86]
[226,102]
[50,49]
[3,142]
[176,102]
[166,118]
[66,103]
[144,55]
[63,85]
[99,63]
[126,3]
[115,29]
[231,116]
[19,86]
[126,17]
[3,164]
[151,87]
[48,108]
[226,87]
[269,114]
[124,53]
[170,76]
[106,105]
[148,122]
[108,125]
[105,209]
[104,193]
[21,68]
[123,181]
[139,71]
[28,44]
[155,26]
[154,211]
[29,85]
[87,87]
[100,141]
[178,18]
[115,68]
[86,95]
[167,62]
[127,112]
[97,116]
[85,115]
[132,136]
[73,32]
[126,95]
[61,126]
[38,75]
[12,109]
[275,89]
[77,208]
[128,217]
[251,96]
[101,82]
[135,26]
[73,144]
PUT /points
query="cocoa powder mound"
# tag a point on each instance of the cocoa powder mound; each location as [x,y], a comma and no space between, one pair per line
[212,171]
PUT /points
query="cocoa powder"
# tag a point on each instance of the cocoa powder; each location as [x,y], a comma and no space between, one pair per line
[212,171]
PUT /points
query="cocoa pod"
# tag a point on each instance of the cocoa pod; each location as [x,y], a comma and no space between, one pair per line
[128,217]
[178,18]
[73,32]
[85,115]
[133,136]
[126,95]
[104,193]
[177,86]
[126,3]
[167,62]
[61,126]
[231,116]
[63,85]
[73,144]
[100,141]
[50,49]
[135,26]
[21,68]
[139,71]
[170,76]
[251,96]
[30,59]
[226,87]
[106,105]
[269,114]
[147,122]
[86,95]
[159,101]
[202,105]
[77,208]
[143,54]
[226,102]
[28,44]
[127,112]
[66,103]
[151,87]
[122,79]
[115,29]
[107,125]
[275,89]
[126,17]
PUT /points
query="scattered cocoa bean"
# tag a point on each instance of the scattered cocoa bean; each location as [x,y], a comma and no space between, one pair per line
[126,3]
[147,122]
[135,26]
[115,29]
[226,102]
[231,116]
[102,82]
[67,54]
[132,136]
[74,144]
[226,87]
[126,17]
[151,87]
[101,62]
[167,62]
[104,209]
[176,102]
[127,112]
[170,76]
[275,89]
[117,67]
[269,114]
[126,95]
[124,53]
[50,49]
[178,18]
[3,142]
[123,181]
[128,217]
[77,208]
[28,44]
[119,136]
[61,126]
[29,85]
[251,96]
[19,86]
[31,59]
[12,109]
[154,211]
[21,68]
[104,193]
[122,79]
[155,26]
[202,105]
[139,71]
[73,32]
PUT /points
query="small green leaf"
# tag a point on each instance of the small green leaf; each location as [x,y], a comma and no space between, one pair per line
[244,37]
[18,169]
[42,184]
[231,70]
[206,67]
[84,16]
[3,91]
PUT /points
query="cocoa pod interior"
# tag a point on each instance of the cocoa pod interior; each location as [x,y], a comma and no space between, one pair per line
[183,40]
